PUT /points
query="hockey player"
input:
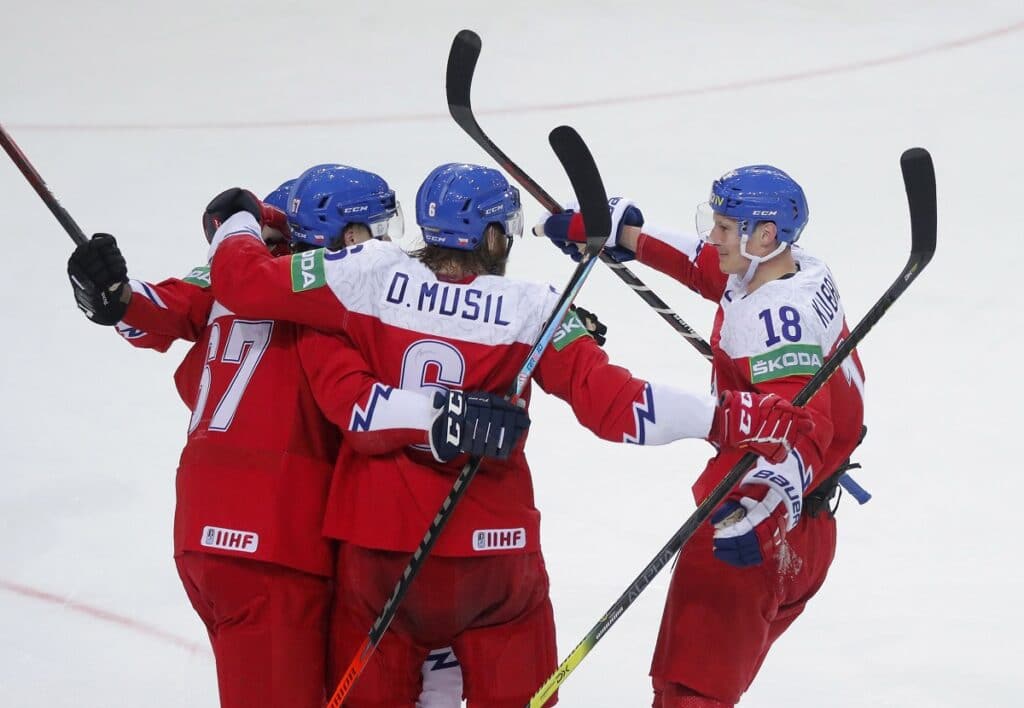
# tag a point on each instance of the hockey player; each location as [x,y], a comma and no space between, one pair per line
[440,320]
[253,477]
[740,582]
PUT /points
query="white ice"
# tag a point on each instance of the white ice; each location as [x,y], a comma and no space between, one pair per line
[136,113]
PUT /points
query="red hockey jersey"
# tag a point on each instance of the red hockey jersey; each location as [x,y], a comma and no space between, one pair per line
[254,474]
[419,333]
[772,341]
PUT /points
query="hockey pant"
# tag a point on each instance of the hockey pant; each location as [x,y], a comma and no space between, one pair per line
[268,628]
[494,611]
[720,620]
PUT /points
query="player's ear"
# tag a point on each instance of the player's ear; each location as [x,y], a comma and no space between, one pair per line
[768,232]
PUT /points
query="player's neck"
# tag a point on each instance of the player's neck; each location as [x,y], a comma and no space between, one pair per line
[782,265]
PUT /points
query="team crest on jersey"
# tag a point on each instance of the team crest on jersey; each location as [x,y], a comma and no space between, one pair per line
[199,276]
[571,329]
[230,539]
[308,270]
[790,360]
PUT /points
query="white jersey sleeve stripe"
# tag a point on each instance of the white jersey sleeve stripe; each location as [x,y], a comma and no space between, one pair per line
[665,414]
[687,244]
[392,409]
[147,291]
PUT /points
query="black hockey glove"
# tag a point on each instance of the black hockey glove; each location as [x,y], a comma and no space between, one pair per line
[227,203]
[99,279]
[596,327]
[475,422]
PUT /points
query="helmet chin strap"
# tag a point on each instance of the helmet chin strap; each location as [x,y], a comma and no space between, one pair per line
[755,261]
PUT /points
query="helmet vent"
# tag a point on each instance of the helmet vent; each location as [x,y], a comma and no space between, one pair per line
[323,201]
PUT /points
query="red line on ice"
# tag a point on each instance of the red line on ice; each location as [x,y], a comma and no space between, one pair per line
[591,103]
[104,615]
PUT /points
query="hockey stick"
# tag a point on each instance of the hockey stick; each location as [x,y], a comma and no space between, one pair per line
[586,182]
[919,179]
[459,80]
[42,190]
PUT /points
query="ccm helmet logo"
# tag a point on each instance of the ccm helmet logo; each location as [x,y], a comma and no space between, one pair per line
[765,213]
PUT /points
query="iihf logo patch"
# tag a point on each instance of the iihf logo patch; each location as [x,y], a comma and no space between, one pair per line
[499,539]
[230,539]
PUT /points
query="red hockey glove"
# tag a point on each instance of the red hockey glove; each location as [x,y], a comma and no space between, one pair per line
[566,229]
[757,422]
[231,201]
[752,523]
[274,218]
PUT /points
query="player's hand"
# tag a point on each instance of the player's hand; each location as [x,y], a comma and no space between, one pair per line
[566,229]
[761,423]
[598,329]
[475,422]
[231,201]
[752,523]
[99,279]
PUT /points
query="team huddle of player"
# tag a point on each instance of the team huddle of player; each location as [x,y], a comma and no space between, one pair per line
[337,384]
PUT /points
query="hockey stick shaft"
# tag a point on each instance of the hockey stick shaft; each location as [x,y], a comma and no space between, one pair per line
[586,181]
[462,61]
[919,179]
[39,185]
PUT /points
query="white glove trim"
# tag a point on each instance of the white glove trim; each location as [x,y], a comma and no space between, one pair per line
[787,481]
[617,207]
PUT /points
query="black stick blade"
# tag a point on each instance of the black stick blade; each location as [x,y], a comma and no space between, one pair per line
[919,180]
[459,76]
[579,164]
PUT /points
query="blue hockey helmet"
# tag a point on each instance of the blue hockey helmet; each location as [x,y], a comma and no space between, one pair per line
[327,198]
[279,197]
[761,193]
[457,202]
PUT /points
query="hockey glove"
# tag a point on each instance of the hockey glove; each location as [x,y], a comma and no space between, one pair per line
[231,201]
[567,232]
[761,423]
[596,327]
[475,422]
[99,279]
[752,523]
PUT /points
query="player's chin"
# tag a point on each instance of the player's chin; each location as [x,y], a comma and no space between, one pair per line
[726,263]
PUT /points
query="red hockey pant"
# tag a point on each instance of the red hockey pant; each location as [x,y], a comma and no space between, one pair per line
[494,611]
[268,627]
[720,621]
